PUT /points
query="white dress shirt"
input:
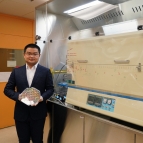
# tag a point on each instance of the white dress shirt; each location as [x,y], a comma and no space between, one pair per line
[30,73]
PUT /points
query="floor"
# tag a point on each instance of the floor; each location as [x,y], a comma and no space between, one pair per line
[8,135]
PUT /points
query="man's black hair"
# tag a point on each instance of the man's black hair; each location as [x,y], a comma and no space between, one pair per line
[32,46]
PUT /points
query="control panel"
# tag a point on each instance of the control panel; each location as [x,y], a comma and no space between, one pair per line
[101,102]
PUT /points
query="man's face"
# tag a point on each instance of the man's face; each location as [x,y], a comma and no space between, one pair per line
[31,56]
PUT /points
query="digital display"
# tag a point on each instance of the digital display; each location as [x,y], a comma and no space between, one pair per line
[90,99]
[98,101]
[94,100]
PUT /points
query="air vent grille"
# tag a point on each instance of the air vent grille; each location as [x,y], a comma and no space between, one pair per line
[103,17]
[137,9]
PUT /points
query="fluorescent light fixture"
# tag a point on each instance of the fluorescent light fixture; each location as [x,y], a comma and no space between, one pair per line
[90,10]
[122,27]
[82,7]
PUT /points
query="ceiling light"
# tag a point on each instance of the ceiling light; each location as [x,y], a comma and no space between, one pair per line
[90,10]
[82,7]
[122,27]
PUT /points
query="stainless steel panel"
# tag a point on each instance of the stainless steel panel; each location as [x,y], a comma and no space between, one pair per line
[97,131]
[63,125]
[139,138]
[73,132]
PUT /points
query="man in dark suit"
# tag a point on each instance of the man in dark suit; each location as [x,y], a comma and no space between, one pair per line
[30,120]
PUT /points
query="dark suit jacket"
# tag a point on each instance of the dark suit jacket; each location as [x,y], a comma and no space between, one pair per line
[17,82]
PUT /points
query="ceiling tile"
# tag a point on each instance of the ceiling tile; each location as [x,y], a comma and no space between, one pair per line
[29,2]
[30,15]
[22,8]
